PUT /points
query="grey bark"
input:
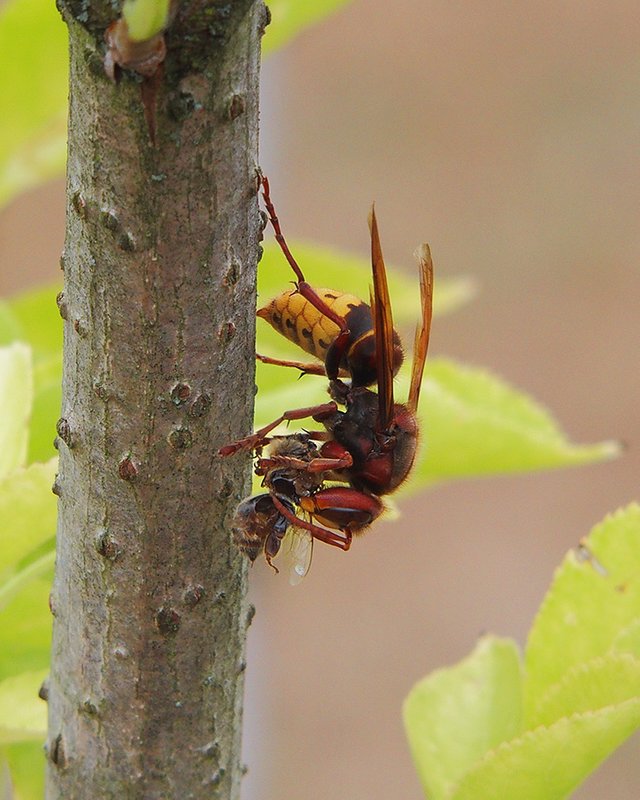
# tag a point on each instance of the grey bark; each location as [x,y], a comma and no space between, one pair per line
[150,615]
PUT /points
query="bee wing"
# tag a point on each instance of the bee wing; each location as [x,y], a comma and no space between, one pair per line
[423,254]
[297,551]
[382,325]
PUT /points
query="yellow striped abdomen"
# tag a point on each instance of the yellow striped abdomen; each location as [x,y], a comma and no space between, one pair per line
[297,320]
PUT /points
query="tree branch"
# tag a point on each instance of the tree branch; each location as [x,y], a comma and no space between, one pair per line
[159,265]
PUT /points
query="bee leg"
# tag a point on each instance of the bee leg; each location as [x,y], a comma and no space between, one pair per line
[271,548]
[260,437]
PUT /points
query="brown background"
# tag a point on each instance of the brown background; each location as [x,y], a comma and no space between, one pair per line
[507,134]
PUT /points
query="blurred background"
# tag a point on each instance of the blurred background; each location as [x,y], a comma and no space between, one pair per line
[508,136]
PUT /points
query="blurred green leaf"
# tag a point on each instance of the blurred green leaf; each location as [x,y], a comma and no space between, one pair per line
[32,317]
[36,315]
[16,391]
[47,402]
[27,512]
[473,423]
[9,326]
[628,639]
[23,715]
[39,159]
[25,629]
[39,567]
[26,763]
[456,715]
[594,596]
[33,66]
[145,18]
[291,17]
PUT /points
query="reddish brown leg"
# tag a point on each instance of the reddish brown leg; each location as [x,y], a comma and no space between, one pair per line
[273,218]
[323,535]
[310,294]
[305,369]
[260,437]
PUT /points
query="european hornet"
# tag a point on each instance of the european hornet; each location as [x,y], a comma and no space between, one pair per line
[371,445]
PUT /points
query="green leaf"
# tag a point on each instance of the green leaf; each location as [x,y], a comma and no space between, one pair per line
[33,65]
[27,512]
[36,160]
[548,763]
[40,567]
[581,686]
[604,681]
[594,596]
[23,715]
[291,17]
[27,767]
[628,639]
[37,321]
[47,402]
[10,329]
[25,630]
[33,317]
[16,391]
[456,715]
[145,18]
[473,423]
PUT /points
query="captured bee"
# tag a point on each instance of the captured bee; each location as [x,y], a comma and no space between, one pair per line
[258,526]
[335,327]
[274,522]
[369,447]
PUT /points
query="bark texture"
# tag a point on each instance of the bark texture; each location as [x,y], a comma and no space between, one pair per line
[161,245]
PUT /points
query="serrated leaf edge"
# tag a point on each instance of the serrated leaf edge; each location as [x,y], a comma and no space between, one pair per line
[571,559]
[533,732]
[579,669]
